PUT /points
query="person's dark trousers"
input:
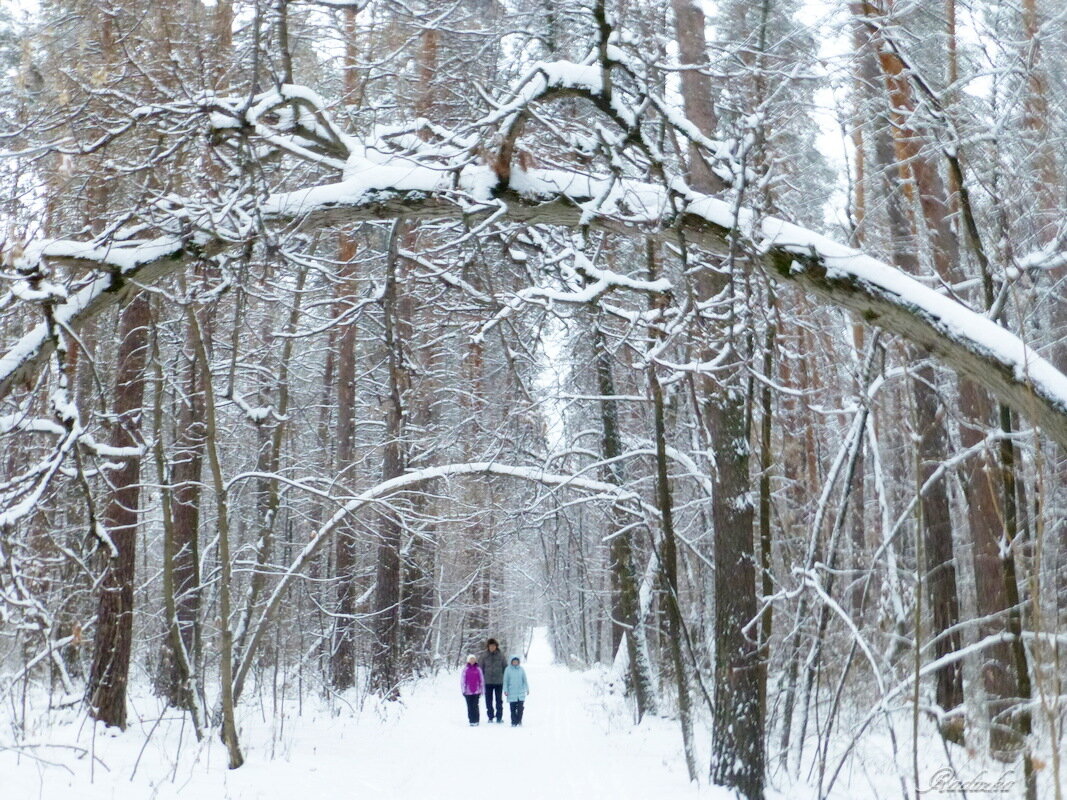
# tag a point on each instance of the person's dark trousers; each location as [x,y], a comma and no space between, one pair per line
[492,689]
[472,707]
[516,712]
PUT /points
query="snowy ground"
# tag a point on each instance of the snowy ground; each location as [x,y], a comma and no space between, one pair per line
[576,742]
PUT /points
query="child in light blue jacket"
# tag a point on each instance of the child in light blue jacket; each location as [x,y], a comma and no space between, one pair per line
[516,687]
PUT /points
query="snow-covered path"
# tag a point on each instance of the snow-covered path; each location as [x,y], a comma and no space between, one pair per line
[572,744]
[576,742]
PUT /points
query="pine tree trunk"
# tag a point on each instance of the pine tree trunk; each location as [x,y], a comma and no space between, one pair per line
[419,554]
[936,522]
[1048,188]
[737,759]
[385,667]
[182,686]
[737,721]
[186,477]
[106,691]
[343,650]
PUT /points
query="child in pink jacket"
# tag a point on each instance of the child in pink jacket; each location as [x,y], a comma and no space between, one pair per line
[472,684]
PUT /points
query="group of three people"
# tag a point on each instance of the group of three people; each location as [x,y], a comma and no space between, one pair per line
[488,675]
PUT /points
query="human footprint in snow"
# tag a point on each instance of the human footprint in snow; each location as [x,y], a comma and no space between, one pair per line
[516,687]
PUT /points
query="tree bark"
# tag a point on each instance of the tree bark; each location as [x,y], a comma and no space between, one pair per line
[186,477]
[1047,190]
[985,517]
[417,333]
[939,565]
[668,558]
[385,667]
[625,601]
[222,521]
[106,690]
[343,650]
[737,759]
[183,686]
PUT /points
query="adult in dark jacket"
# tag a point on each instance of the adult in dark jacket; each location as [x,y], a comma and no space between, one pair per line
[492,663]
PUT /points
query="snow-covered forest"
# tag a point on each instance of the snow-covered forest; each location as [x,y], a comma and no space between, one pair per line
[713,349]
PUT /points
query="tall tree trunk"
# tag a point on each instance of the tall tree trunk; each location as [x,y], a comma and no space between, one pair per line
[182,686]
[737,759]
[1048,185]
[669,575]
[939,567]
[991,554]
[187,465]
[106,692]
[418,579]
[1047,191]
[419,553]
[737,730]
[343,649]
[222,522]
[186,476]
[936,522]
[766,537]
[625,598]
[385,667]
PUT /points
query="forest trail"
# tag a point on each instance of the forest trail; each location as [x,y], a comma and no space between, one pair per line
[577,741]
[574,743]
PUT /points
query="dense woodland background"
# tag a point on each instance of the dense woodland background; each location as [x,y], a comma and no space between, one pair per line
[772,517]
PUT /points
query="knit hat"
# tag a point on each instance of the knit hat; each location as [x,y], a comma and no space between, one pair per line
[472,658]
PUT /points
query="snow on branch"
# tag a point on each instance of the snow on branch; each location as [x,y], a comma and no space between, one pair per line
[15,422]
[147,260]
[597,283]
[880,294]
[555,79]
[452,178]
[392,486]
